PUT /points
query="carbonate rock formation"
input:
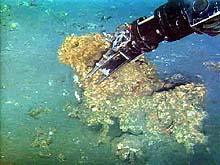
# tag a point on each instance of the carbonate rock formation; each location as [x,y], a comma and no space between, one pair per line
[133,106]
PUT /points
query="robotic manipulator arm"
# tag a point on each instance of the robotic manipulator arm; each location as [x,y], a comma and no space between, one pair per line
[170,22]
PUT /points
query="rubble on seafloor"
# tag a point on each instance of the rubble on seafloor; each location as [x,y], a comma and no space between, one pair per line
[214,66]
[134,99]
[42,141]
[36,112]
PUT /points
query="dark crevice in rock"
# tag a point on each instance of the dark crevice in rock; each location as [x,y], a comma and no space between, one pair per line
[175,81]
[114,130]
[168,87]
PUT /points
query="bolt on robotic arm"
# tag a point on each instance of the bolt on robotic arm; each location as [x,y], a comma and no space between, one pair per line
[170,22]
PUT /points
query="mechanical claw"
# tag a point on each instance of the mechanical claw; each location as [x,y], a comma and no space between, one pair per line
[109,63]
[114,58]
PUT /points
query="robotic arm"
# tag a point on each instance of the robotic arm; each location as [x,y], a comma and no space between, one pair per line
[170,22]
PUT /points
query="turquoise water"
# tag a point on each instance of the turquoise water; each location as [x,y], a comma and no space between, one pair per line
[32,77]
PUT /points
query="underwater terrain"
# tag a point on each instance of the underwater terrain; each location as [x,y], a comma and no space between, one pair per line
[37,91]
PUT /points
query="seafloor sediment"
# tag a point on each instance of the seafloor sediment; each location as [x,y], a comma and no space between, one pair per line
[134,100]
